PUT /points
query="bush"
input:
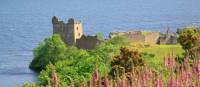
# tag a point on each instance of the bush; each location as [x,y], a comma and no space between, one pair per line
[118,40]
[189,38]
[81,66]
[123,63]
[99,36]
[51,50]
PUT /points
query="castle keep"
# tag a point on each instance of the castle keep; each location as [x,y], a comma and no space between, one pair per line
[69,32]
[72,33]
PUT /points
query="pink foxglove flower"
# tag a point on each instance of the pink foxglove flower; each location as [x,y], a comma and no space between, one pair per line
[164,61]
[96,76]
[188,79]
[138,81]
[198,69]
[169,60]
[171,80]
[123,81]
[115,84]
[159,83]
[132,77]
[172,57]
[106,81]
[54,78]
[143,80]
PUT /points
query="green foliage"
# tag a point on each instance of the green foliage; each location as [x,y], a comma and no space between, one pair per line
[52,49]
[70,62]
[82,65]
[189,38]
[104,53]
[145,33]
[148,55]
[99,36]
[122,64]
[118,40]
[158,51]
[77,64]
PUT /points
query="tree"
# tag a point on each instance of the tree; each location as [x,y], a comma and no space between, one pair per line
[122,64]
[99,36]
[51,50]
[80,67]
[189,38]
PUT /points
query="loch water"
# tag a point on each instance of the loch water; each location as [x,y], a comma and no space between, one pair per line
[24,23]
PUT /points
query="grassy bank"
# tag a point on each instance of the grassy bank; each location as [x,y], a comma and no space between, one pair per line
[157,53]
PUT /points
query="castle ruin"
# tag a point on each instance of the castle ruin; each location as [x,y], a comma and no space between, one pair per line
[72,34]
[168,38]
[147,37]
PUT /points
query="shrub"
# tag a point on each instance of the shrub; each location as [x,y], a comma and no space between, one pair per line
[51,50]
[99,36]
[123,63]
[118,40]
[189,38]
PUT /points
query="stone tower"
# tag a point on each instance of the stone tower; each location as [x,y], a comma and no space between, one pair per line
[69,32]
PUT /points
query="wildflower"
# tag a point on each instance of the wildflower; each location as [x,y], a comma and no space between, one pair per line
[182,73]
[188,79]
[143,80]
[132,77]
[138,81]
[54,78]
[197,68]
[123,81]
[169,60]
[171,80]
[106,82]
[115,84]
[159,83]
[165,62]
[96,76]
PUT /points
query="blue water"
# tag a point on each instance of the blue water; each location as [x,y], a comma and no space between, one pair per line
[23,23]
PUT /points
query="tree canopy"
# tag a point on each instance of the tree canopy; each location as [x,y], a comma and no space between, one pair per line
[50,50]
[189,38]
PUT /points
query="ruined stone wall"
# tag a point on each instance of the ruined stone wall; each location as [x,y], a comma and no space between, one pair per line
[152,37]
[88,42]
[168,39]
[162,40]
[171,40]
[139,36]
[135,37]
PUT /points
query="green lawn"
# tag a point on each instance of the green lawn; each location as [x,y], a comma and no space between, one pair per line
[158,51]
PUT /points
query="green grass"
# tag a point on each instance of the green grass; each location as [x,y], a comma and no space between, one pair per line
[158,53]
[145,33]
